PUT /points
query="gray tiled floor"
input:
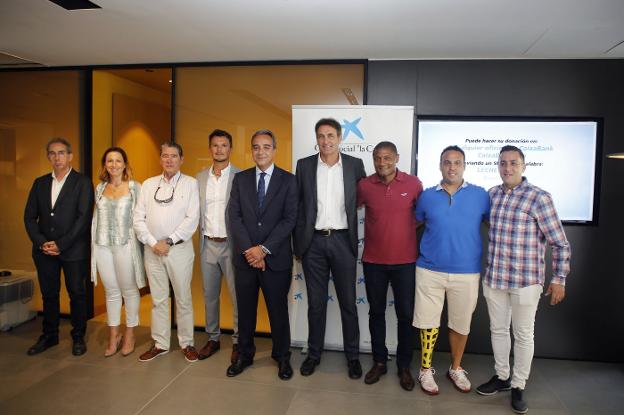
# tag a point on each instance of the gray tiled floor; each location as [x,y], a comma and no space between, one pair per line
[59,383]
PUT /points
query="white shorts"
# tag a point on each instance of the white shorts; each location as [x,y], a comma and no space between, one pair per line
[461,291]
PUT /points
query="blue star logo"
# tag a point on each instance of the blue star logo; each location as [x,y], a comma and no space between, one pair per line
[299,296]
[360,300]
[351,127]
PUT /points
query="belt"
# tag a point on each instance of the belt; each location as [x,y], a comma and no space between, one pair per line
[210,238]
[328,232]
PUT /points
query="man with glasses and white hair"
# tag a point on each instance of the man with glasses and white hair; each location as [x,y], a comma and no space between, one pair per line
[165,218]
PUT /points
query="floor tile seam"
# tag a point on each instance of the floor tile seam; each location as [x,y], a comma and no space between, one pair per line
[290,404]
[553,391]
[428,408]
[31,384]
[121,367]
[288,385]
[161,390]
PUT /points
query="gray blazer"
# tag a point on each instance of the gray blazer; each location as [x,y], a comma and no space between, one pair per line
[352,171]
[202,179]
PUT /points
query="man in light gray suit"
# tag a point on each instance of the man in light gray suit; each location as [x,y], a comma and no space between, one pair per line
[215,184]
[326,238]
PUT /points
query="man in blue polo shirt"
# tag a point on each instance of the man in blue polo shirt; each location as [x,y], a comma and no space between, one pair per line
[449,264]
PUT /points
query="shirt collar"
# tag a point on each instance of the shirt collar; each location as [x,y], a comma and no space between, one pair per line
[522,185]
[64,177]
[268,171]
[174,179]
[320,160]
[440,187]
[224,172]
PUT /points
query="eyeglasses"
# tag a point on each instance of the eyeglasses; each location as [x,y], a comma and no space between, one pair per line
[169,199]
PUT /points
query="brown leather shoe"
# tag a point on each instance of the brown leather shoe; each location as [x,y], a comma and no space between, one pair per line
[406,380]
[190,354]
[235,353]
[152,353]
[209,349]
[376,372]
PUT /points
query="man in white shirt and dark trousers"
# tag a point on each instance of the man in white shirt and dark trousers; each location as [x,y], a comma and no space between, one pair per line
[326,238]
[215,184]
[165,218]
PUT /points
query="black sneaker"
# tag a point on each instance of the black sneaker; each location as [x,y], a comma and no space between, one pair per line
[494,385]
[518,404]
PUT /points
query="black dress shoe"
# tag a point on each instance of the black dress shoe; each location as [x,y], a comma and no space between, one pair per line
[308,365]
[43,343]
[406,380]
[285,371]
[376,372]
[355,369]
[79,347]
[237,367]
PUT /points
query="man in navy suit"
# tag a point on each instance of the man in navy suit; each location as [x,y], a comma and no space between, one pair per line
[261,213]
[58,222]
[326,238]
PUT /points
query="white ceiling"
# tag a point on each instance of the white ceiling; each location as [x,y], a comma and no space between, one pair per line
[165,31]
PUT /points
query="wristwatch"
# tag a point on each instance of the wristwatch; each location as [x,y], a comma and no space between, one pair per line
[170,242]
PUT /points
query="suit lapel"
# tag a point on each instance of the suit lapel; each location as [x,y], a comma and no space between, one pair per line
[253,190]
[312,181]
[274,185]
[47,191]
[203,180]
[233,171]
[348,177]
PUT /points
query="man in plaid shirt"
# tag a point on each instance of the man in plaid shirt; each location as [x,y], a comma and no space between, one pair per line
[523,220]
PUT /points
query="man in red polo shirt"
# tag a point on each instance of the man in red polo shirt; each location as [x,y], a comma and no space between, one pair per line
[390,252]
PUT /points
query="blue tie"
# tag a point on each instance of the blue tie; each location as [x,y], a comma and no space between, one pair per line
[261,191]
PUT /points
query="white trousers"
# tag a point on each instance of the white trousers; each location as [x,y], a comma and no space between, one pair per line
[114,264]
[176,267]
[516,307]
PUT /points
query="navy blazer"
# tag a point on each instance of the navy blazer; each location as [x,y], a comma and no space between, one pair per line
[352,172]
[270,226]
[68,223]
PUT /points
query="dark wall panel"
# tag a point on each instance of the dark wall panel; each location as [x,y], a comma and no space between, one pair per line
[589,323]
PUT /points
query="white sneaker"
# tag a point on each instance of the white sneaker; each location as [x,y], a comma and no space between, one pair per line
[459,379]
[427,384]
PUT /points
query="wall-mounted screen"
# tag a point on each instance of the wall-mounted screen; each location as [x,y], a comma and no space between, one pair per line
[560,155]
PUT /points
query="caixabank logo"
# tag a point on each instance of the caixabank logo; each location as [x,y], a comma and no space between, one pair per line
[353,137]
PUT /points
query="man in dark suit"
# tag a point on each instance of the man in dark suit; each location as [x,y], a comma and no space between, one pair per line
[262,213]
[326,238]
[58,221]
